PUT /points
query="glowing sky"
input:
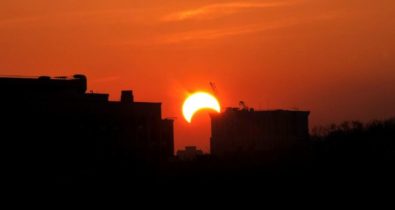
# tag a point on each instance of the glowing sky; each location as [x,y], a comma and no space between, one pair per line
[333,57]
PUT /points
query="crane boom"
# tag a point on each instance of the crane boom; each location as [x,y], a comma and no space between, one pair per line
[214,88]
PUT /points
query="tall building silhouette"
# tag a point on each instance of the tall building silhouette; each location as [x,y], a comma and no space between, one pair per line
[245,132]
[167,137]
[53,125]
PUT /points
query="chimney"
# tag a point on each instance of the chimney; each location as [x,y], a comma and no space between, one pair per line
[127,96]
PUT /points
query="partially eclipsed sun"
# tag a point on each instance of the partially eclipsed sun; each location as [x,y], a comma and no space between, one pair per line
[198,101]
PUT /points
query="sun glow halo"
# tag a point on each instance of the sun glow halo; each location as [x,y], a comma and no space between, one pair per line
[198,101]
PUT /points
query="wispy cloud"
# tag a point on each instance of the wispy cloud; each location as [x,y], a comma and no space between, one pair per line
[227,32]
[217,10]
[212,34]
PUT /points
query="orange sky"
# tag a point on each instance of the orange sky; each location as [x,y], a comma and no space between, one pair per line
[333,57]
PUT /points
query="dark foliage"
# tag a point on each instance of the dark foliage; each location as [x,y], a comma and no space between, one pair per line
[354,147]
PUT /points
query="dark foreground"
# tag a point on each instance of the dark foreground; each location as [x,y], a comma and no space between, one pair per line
[349,154]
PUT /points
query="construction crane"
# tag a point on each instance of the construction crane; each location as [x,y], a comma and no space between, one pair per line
[214,88]
[243,105]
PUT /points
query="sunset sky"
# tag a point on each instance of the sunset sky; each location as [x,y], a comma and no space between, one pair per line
[335,58]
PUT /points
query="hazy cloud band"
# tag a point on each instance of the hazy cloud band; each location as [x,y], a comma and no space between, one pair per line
[217,10]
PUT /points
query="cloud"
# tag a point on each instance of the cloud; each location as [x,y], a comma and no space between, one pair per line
[217,10]
[211,34]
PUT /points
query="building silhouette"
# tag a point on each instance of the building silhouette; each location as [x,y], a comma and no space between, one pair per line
[52,126]
[246,132]
[167,137]
[189,153]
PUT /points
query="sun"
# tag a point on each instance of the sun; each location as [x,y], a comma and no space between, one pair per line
[198,101]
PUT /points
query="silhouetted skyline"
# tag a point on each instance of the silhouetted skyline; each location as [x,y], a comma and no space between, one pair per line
[54,131]
[334,57]
[53,128]
[197,94]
